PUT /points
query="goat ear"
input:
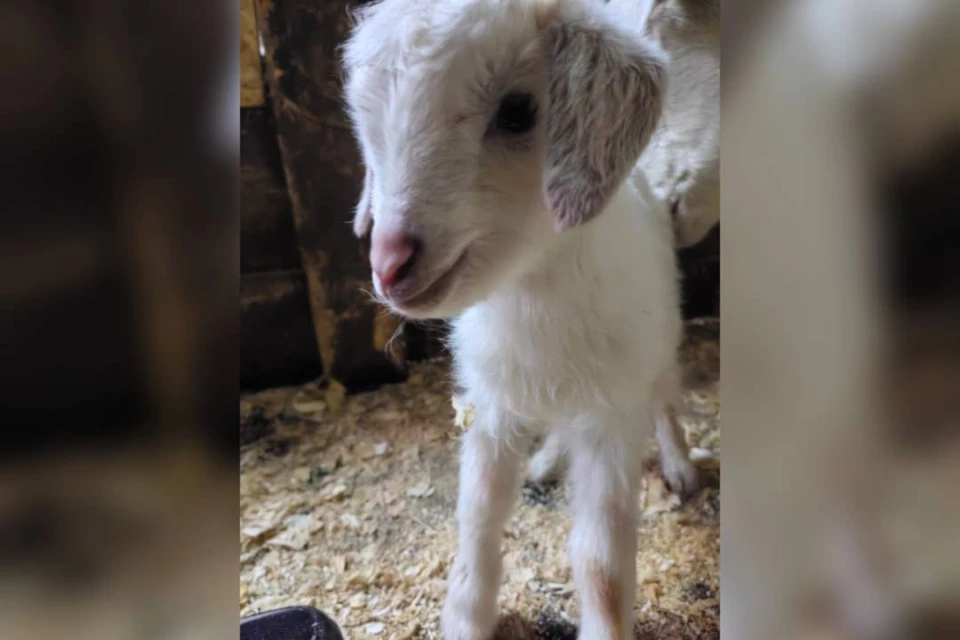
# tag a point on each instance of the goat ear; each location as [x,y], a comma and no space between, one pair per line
[605,99]
[363,214]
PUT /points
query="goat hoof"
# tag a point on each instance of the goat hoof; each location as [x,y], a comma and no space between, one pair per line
[682,476]
[468,613]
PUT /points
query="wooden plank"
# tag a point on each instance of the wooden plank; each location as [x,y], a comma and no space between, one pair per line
[277,343]
[268,239]
[251,74]
[324,176]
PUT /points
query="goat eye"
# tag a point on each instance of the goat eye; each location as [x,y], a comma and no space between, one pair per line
[517,114]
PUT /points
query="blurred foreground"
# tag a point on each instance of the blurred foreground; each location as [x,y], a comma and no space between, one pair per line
[841,312]
[118,319]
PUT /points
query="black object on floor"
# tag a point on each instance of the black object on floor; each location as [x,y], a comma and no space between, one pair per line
[292,623]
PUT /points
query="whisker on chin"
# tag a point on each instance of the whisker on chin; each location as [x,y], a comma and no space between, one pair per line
[388,348]
[374,296]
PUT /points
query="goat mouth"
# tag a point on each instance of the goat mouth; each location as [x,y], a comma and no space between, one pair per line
[434,291]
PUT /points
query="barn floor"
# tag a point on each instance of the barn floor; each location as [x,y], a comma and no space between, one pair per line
[347,505]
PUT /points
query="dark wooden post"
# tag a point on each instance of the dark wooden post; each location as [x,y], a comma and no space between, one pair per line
[324,177]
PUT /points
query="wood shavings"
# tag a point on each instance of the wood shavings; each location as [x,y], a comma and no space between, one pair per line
[433,433]
[357,517]
[698,455]
[465,413]
[314,401]
[309,400]
[339,563]
[302,474]
[364,451]
[294,533]
[525,575]
[333,493]
[257,531]
[655,496]
[334,396]
[295,538]
[314,407]
[421,490]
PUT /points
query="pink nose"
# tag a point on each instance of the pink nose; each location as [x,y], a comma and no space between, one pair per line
[390,251]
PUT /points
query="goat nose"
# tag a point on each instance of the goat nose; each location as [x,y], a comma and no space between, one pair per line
[391,253]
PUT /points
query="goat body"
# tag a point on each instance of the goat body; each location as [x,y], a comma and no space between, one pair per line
[583,345]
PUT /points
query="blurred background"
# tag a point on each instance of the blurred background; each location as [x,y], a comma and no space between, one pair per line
[137,297]
[119,330]
[841,282]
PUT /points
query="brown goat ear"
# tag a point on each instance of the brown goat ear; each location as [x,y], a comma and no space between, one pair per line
[605,97]
[363,215]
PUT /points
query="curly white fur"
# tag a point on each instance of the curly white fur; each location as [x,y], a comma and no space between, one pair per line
[559,278]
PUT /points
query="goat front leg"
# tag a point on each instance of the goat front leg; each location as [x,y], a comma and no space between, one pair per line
[603,541]
[489,484]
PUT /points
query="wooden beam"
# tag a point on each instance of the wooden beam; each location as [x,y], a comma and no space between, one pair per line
[277,344]
[251,74]
[324,176]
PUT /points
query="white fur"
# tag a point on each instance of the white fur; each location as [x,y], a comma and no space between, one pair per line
[565,304]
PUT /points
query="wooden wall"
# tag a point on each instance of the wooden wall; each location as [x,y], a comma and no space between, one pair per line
[278,344]
[304,308]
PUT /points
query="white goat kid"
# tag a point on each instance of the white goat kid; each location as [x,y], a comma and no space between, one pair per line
[497,138]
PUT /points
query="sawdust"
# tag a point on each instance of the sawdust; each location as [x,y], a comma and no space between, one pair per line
[349,507]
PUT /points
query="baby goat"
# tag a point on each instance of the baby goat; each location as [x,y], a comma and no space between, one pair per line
[497,138]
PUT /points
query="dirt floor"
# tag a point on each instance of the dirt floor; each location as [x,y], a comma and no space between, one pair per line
[347,504]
